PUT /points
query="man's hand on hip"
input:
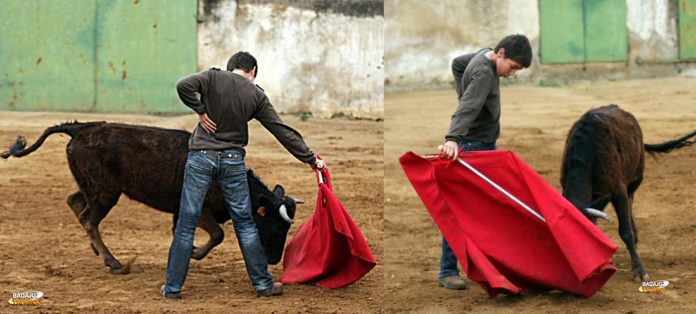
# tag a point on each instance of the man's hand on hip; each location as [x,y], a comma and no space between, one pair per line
[450,150]
[207,124]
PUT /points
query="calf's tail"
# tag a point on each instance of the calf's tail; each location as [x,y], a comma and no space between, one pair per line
[69,128]
[668,146]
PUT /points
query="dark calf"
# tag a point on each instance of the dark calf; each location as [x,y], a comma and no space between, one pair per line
[603,161]
[147,165]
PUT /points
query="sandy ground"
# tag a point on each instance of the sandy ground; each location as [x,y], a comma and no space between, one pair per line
[535,121]
[44,247]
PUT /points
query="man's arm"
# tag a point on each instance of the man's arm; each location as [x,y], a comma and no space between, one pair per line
[287,136]
[470,105]
[188,87]
[458,67]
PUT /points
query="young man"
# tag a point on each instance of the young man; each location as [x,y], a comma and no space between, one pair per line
[228,100]
[475,124]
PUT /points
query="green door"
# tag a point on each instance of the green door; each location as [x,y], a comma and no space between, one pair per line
[143,48]
[102,55]
[47,55]
[687,29]
[606,35]
[562,37]
[575,31]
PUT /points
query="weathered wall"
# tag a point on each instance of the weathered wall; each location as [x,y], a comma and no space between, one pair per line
[314,56]
[652,28]
[421,39]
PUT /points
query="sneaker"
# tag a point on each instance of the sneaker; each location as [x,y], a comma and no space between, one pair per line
[171,295]
[277,289]
[452,282]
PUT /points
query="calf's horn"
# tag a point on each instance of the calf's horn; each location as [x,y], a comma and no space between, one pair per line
[596,213]
[284,214]
[297,200]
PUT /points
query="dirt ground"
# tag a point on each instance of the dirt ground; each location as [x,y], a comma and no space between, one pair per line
[535,121]
[44,248]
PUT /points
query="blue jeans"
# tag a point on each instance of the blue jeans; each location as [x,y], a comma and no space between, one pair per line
[200,171]
[448,262]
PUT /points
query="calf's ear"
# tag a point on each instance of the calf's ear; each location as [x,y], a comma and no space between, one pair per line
[279,191]
[600,203]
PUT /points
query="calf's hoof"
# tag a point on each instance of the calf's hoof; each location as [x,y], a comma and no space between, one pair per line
[198,254]
[640,276]
[118,269]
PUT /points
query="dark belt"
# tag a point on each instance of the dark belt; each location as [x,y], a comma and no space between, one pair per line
[219,154]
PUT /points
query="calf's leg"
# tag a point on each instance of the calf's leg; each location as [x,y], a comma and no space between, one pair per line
[622,203]
[216,234]
[78,204]
[207,222]
[90,214]
[633,221]
[631,190]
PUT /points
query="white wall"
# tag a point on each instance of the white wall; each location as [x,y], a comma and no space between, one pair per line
[422,37]
[320,62]
[653,30]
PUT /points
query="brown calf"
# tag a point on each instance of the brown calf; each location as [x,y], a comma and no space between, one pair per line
[147,165]
[603,161]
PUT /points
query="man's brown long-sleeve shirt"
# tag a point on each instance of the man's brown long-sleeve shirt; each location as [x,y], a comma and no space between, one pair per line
[231,100]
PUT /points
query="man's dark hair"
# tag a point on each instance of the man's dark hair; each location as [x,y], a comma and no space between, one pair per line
[242,60]
[517,48]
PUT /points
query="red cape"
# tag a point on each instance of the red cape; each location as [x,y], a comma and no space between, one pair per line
[328,249]
[500,245]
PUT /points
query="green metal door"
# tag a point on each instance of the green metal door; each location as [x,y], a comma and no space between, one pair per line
[606,35]
[143,48]
[47,55]
[562,36]
[104,55]
[574,31]
[687,29]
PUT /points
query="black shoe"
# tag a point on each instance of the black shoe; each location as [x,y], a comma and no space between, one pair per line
[277,289]
[171,296]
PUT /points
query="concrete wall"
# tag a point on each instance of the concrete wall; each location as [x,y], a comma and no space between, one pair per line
[653,30]
[314,56]
[421,39]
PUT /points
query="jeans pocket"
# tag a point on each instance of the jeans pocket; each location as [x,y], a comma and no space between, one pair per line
[233,169]
[198,168]
[234,183]
[233,173]
[197,171]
